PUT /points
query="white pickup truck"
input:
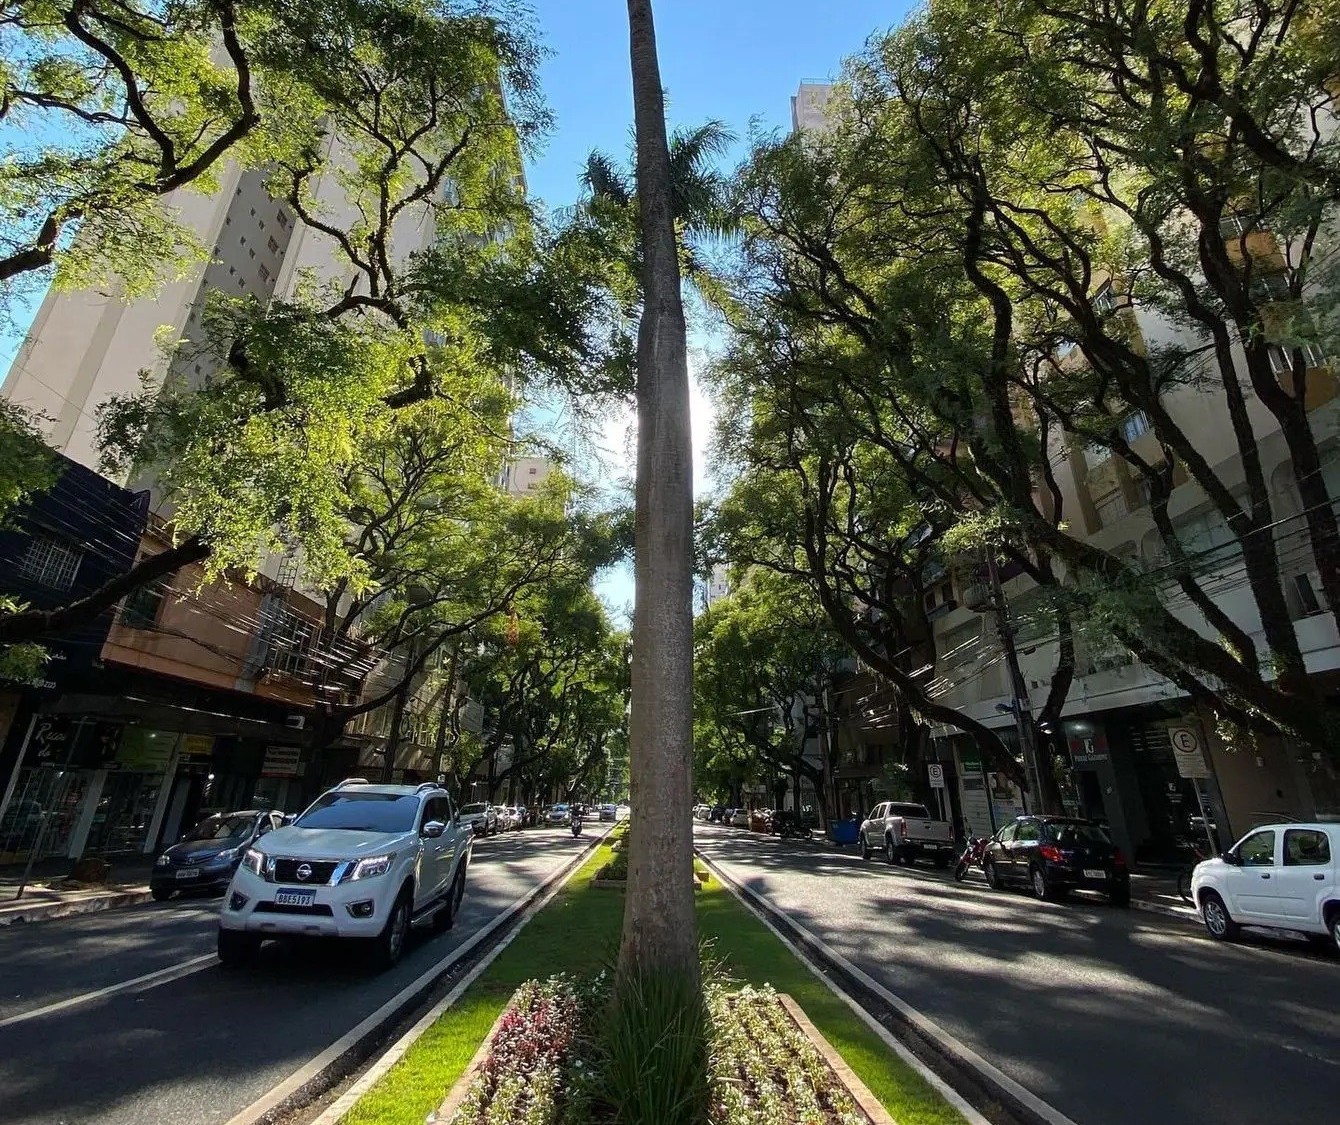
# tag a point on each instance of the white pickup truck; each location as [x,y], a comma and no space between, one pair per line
[903,831]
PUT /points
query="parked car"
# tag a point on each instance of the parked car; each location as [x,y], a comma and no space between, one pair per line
[903,830]
[206,857]
[1284,876]
[558,814]
[1053,855]
[622,812]
[519,816]
[738,818]
[480,817]
[702,812]
[363,862]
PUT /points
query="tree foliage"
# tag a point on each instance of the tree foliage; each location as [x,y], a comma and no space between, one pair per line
[937,302]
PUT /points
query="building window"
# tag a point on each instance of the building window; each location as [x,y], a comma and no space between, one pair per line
[283,219]
[1269,287]
[1110,508]
[274,246]
[142,606]
[49,562]
[532,470]
[1105,300]
[1135,425]
[1281,359]
[1235,226]
[265,274]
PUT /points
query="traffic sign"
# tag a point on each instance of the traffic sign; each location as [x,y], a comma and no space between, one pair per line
[937,774]
[1188,753]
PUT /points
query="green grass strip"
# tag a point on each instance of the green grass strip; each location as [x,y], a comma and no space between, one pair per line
[578,933]
[751,954]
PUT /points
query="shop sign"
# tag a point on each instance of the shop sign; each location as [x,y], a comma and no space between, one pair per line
[145,751]
[1187,752]
[282,761]
[197,749]
[52,736]
[972,767]
[1087,749]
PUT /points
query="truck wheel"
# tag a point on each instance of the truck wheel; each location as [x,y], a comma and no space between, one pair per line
[909,857]
[941,861]
[445,917]
[388,945]
[236,948]
[891,853]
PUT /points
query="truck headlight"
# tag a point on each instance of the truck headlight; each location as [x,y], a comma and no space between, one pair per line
[162,860]
[253,860]
[371,866]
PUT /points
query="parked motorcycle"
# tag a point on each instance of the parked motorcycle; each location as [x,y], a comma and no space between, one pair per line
[971,857]
[789,827]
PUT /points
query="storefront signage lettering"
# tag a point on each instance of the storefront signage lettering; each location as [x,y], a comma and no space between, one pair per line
[51,740]
[282,761]
[1088,749]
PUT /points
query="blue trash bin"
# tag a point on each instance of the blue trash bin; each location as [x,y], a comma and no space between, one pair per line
[844,831]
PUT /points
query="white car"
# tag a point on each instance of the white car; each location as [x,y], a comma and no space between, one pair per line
[622,812]
[363,862]
[1283,876]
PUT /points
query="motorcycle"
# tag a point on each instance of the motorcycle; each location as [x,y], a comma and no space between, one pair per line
[576,824]
[971,857]
[788,827]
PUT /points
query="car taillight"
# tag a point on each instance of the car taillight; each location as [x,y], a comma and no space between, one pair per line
[1118,860]
[1051,853]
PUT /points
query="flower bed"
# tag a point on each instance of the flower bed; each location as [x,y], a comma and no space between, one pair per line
[769,1070]
[520,1077]
[768,1066]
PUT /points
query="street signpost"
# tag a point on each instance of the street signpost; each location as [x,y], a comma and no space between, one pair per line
[1191,764]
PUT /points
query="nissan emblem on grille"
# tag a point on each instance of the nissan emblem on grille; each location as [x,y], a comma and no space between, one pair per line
[304,872]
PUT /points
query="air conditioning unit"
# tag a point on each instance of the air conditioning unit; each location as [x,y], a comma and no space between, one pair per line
[296,722]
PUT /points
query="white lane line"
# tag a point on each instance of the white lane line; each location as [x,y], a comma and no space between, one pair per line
[954,1047]
[149,980]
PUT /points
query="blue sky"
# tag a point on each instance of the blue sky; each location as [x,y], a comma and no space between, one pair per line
[736,61]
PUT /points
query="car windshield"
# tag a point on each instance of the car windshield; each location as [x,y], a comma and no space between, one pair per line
[916,811]
[559,808]
[362,812]
[470,810]
[222,828]
[1070,834]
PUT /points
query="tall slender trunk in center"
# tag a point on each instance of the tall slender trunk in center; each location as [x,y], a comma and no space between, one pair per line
[659,931]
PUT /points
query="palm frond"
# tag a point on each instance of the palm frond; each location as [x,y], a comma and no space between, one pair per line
[604,180]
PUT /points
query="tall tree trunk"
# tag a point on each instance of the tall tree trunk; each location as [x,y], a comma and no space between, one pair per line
[659,930]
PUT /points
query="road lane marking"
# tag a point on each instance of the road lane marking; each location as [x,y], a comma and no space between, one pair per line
[953,1047]
[149,980]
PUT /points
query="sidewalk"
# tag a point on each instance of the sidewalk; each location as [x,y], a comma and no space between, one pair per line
[51,894]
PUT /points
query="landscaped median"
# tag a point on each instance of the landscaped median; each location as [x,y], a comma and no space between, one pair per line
[756,1056]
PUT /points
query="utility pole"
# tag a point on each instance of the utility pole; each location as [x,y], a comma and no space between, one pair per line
[1023,715]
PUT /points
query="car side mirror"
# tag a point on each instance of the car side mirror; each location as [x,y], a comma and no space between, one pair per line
[1232,858]
[433,829]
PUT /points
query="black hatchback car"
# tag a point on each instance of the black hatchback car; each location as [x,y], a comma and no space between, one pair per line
[1052,855]
[209,853]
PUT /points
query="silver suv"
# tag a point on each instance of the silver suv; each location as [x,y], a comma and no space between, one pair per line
[365,862]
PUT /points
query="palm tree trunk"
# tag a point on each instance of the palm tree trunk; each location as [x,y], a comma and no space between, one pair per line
[659,931]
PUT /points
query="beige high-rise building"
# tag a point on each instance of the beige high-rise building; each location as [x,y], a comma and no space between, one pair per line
[86,346]
[809,107]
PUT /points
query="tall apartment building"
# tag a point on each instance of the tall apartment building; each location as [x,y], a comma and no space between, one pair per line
[526,475]
[809,107]
[86,346]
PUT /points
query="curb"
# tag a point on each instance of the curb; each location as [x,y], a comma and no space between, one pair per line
[42,911]
[347,1053]
[991,1083]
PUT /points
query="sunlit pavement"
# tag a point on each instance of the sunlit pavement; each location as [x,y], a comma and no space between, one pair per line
[1109,1015]
[203,1045]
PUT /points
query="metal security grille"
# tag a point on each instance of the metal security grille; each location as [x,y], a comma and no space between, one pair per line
[286,871]
[50,563]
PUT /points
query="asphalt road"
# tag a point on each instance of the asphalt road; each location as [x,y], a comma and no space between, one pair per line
[197,1048]
[1108,1015]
